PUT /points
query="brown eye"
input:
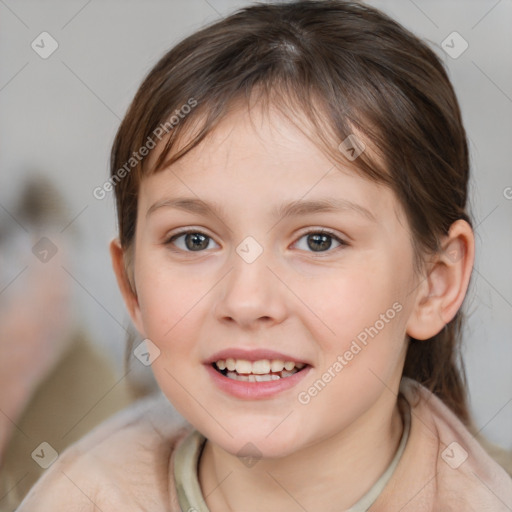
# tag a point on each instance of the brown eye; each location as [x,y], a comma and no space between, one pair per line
[320,241]
[190,241]
[196,241]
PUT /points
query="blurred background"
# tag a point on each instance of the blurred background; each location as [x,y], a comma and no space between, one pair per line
[68,72]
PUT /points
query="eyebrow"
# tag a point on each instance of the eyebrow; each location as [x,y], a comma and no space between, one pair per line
[295,208]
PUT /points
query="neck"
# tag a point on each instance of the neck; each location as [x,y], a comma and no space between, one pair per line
[330,475]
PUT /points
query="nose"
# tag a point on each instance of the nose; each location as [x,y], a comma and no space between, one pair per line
[251,295]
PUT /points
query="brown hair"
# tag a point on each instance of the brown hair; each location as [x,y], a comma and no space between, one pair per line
[345,67]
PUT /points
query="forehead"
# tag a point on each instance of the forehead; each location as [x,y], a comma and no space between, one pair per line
[258,157]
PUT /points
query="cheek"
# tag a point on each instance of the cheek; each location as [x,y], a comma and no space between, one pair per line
[166,299]
[362,327]
[169,305]
[343,305]
[360,365]
[172,306]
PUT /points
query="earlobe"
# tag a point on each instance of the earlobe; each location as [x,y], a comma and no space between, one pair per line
[442,292]
[128,293]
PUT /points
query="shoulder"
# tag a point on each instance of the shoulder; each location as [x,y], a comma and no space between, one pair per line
[461,472]
[122,463]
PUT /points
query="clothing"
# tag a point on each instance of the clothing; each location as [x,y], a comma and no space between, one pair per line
[129,464]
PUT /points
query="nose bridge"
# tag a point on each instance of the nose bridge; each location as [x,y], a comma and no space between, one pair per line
[251,292]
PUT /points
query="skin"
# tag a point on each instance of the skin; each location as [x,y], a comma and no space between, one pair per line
[326,454]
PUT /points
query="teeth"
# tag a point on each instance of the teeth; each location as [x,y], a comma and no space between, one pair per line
[258,371]
[263,378]
[254,378]
[261,367]
[243,366]
[289,365]
[235,376]
[277,365]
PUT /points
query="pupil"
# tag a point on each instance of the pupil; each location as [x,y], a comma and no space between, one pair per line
[323,241]
[196,238]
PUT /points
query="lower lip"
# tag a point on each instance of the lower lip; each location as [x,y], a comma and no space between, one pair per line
[255,390]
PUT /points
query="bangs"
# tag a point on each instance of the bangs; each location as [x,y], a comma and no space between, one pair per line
[305,109]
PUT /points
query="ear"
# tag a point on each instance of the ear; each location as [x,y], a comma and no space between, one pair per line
[129,294]
[440,294]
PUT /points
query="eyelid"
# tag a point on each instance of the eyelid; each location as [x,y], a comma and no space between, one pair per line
[326,231]
[184,231]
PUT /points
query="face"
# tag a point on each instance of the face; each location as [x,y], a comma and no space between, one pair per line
[277,326]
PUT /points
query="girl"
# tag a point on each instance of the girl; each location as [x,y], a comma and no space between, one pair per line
[294,247]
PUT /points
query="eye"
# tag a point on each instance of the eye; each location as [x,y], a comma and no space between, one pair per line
[192,241]
[320,241]
[196,241]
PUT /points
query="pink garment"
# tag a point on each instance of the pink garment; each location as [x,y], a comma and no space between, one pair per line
[127,464]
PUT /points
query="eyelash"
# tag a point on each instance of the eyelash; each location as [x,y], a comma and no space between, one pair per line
[320,231]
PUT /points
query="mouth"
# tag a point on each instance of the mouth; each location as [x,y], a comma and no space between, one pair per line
[262,370]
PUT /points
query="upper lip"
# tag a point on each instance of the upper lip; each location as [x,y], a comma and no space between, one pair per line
[252,355]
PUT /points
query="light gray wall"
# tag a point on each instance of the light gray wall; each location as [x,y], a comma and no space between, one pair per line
[60,115]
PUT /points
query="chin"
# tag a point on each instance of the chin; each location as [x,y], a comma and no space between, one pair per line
[254,441]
